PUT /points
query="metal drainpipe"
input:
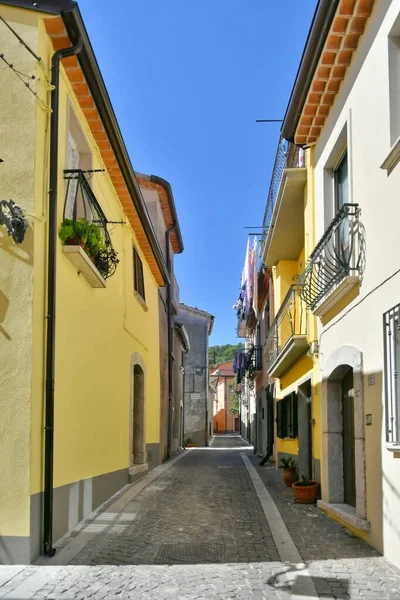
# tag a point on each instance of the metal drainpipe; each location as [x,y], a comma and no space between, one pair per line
[183,403]
[169,338]
[51,299]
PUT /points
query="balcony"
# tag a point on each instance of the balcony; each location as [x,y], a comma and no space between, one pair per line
[285,206]
[336,265]
[84,233]
[287,338]
[255,361]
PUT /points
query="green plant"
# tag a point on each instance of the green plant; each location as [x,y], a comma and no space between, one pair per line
[305,481]
[82,232]
[287,463]
[106,261]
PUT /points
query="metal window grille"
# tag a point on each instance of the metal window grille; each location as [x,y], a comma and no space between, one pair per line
[391,336]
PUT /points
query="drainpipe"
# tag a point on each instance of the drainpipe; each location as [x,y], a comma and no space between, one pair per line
[183,403]
[51,299]
[169,334]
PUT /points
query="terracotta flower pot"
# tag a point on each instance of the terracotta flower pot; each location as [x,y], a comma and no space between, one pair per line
[289,476]
[306,492]
[191,445]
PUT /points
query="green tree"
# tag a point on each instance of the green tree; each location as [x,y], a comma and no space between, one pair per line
[220,354]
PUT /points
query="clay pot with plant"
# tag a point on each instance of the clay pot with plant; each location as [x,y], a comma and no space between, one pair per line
[289,471]
[306,490]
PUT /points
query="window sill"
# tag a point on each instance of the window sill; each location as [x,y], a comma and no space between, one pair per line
[85,266]
[345,513]
[392,158]
[393,447]
[140,300]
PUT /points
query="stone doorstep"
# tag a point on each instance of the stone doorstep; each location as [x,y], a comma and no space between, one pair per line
[345,513]
[135,469]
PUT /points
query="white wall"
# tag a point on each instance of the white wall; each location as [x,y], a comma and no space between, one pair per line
[362,107]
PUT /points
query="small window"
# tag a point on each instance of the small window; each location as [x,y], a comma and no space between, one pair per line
[138,278]
[287,416]
[391,331]
[394,86]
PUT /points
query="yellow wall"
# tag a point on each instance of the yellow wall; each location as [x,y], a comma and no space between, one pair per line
[97,330]
[17,134]
[285,274]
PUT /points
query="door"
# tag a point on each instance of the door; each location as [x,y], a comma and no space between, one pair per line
[304,410]
[236,424]
[349,470]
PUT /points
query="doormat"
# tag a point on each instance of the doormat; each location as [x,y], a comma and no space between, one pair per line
[176,554]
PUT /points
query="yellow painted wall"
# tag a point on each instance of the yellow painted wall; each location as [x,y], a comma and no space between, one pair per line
[97,330]
[306,367]
[17,134]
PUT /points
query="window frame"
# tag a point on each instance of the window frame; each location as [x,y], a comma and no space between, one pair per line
[138,275]
[391,346]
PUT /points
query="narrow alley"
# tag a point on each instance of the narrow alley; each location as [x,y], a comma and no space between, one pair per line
[211,523]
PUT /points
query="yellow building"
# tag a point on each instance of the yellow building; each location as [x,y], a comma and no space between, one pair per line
[80,394]
[290,336]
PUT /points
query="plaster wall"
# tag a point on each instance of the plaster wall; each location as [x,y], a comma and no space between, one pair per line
[363,119]
[17,181]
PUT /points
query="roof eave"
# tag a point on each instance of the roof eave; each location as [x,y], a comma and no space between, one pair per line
[320,26]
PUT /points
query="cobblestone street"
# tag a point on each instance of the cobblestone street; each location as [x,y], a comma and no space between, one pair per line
[206,525]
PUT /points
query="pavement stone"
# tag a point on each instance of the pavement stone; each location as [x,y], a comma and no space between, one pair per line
[207,498]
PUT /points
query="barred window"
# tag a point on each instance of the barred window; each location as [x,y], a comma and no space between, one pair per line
[391,334]
[286,417]
[138,279]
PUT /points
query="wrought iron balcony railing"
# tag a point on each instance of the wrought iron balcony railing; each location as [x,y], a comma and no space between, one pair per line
[254,360]
[339,253]
[289,326]
[82,207]
[288,156]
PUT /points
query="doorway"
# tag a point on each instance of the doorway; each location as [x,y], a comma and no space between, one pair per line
[137,450]
[304,409]
[349,464]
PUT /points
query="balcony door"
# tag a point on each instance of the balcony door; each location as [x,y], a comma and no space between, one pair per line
[342,241]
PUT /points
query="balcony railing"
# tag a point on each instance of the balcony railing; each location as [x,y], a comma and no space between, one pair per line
[288,156]
[84,218]
[339,254]
[255,359]
[287,337]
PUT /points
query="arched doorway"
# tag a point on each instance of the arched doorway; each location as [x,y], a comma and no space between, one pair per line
[343,430]
[137,421]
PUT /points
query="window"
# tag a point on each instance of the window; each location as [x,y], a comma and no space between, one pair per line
[287,416]
[138,279]
[78,156]
[394,87]
[391,331]
[341,177]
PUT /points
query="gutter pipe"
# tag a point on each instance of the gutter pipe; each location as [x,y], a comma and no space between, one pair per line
[51,299]
[169,336]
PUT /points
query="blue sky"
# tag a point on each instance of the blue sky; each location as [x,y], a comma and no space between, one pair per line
[188,79]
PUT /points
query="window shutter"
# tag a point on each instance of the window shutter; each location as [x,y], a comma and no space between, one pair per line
[281,419]
[292,415]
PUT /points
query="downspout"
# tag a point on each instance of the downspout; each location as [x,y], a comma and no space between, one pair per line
[51,299]
[169,337]
[183,402]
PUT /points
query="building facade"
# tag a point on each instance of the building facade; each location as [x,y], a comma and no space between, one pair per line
[225,417]
[198,325]
[80,401]
[158,196]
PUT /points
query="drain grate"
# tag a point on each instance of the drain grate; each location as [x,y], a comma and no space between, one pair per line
[175,554]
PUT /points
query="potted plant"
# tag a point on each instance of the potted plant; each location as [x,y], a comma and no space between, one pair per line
[306,490]
[190,444]
[289,471]
[88,235]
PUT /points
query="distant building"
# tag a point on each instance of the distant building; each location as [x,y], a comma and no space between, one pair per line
[222,379]
[198,324]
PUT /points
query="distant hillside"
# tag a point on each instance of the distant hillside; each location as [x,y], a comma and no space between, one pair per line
[219,354]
